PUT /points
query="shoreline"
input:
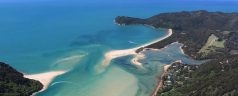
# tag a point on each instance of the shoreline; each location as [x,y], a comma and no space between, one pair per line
[119,53]
[45,78]
[160,81]
[136,59]
[181,49]
[164,70]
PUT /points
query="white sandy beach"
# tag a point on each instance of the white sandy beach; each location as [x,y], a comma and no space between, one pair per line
[136,59]
[119,53]
[166,67]
[45,78]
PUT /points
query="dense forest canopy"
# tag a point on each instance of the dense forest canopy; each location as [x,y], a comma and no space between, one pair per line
[193,30]
[12,82]
[205,35]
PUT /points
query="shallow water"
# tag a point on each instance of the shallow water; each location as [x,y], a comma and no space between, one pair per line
[152,64]
[40,36]
[62,38]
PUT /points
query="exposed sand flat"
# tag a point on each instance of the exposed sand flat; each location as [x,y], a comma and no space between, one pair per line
[166,67]
[136,59]
[45,78]
[119,53]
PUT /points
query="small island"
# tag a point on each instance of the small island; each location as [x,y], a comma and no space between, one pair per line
[13,83]
[206,35]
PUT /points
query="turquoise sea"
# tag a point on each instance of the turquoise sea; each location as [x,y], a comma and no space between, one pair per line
[41,36]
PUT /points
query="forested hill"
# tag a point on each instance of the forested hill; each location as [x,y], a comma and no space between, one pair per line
[205,35]
[194,29]
[187,20]
[214,78]
[12,82]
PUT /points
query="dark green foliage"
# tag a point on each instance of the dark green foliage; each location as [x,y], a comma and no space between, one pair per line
[232,41]
[217,77]
[12,82]
[128,20]
[214,78]
[191,28]
[187,20]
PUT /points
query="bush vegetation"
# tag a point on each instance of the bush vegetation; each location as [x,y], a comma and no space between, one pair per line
[12,82]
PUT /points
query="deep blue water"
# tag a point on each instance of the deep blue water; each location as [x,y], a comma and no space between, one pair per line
[40,36]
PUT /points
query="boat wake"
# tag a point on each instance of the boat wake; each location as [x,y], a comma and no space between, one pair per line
[132,42]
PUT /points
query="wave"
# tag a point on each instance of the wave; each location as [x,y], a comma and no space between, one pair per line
[59,82]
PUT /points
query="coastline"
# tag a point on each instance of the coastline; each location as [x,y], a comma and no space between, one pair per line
[160,82]
[136,59]
[164,70]
[137,56]
[45,78]
[119,53]
[181,49]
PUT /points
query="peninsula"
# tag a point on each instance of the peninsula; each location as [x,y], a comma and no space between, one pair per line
[205,35]
[193,29]
[133,51]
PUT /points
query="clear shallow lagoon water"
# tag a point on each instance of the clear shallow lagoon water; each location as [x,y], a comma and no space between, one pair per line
[40,36]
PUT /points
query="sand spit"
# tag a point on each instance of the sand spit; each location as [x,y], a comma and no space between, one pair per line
[45,78]
[119,53]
